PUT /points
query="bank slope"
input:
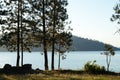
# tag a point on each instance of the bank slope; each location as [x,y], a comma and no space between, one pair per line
[82,44]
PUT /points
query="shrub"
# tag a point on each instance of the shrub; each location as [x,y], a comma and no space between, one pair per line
[92,67]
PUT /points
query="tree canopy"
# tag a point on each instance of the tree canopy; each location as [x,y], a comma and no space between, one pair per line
[33,23]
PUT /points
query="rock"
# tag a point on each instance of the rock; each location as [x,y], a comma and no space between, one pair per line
[7,66]
[27,67]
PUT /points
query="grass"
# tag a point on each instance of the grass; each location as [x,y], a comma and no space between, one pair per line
[59,77]
[55,75]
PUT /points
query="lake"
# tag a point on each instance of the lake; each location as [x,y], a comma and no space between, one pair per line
[74,60]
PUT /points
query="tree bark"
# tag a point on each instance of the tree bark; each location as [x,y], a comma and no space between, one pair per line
[18,38]
[52,65]
[53,40]
[59,62]
[44,39]
[109,62]
[21,38]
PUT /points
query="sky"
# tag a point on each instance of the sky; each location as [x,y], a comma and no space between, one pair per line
[91,19]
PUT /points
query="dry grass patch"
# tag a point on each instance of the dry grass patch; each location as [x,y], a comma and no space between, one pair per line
[59,76]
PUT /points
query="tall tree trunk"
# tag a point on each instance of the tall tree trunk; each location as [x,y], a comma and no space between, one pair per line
[59,62]
[53,49]
[21,38]
[44,40]
[18,38]
[53,40]
[107,62]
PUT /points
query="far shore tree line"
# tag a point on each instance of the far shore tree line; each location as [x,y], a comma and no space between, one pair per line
[26,24]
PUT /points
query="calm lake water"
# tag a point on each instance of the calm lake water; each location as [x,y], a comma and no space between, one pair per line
[74,60]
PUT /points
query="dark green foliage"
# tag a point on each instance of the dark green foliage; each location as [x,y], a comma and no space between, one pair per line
[109,50]
[116,16]
[92,67]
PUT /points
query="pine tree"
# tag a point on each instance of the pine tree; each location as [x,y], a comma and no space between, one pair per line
[57,20]
[18,34]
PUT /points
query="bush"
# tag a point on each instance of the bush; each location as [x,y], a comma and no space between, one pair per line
[92,67]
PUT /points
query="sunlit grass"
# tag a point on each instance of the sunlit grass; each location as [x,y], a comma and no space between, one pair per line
[57,76]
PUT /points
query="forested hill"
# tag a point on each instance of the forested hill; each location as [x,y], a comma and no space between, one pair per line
[82,44]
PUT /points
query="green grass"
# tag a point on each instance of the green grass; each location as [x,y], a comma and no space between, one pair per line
[59,76]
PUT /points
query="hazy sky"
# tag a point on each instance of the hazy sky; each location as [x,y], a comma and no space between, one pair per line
[91,19]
